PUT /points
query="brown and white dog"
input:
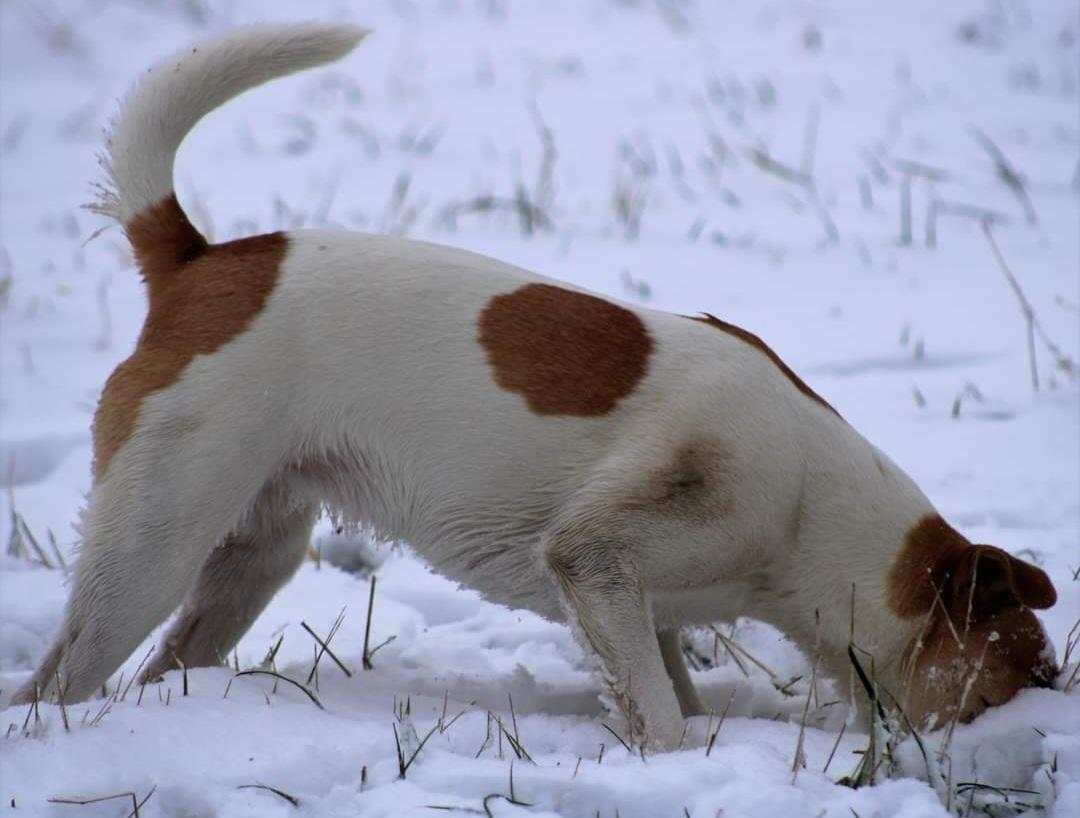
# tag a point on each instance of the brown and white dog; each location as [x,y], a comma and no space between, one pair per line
[624,470]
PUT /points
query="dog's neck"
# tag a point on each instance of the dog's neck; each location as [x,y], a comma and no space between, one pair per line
[856,512]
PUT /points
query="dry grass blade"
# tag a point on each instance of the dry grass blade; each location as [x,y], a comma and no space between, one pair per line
[366,661]
[733,646]
[515,745]
[450,723]
[135,675]
[530,216]
[32,710]
[324,647]
[15,547]
[403,763]
[719,724]
[281,677]
[617,736]
[183,672]
[764,162]
[799,760]
[60,700]
[106,707]
[1073,679]
[543,193]
[30,538]
[721,639]
[136,804]
[1072,640]
[864,680]
[920,169]
[836,745]
[487,736]
[1034,328]
[498,795]
[271,655]
[1006,172]
[513,717]
[874,754]
[292,799]
[56,551]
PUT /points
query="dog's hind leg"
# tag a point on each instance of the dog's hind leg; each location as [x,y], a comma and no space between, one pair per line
[176,490]
[671,651]
[238,580]
[592,556]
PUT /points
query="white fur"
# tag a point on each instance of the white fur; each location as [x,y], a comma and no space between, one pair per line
[179,91]
[362,385]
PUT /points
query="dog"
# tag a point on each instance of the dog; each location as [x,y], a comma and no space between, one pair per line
[623,470]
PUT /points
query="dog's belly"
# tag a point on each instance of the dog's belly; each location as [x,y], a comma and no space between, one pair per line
[503,572]
[722,601]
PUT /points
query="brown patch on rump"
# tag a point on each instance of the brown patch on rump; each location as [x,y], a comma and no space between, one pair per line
[565,352]
[201,297]
[753,340]
[163,239]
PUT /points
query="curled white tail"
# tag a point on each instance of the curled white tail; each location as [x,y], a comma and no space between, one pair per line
[179,91]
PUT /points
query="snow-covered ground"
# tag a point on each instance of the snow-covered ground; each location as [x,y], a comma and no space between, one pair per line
[749,159]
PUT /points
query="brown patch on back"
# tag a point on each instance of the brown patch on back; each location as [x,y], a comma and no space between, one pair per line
[755,341]
[201,297]
[565,352]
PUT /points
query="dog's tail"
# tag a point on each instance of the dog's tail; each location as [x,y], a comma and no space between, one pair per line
[167,103]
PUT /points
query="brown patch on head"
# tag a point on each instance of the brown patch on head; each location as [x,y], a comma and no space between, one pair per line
[935,559]
[979,643]
[754,341]
[201,297]
[564,352]
[917,574]
[957,672]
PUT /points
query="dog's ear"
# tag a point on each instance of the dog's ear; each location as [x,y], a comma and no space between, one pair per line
[989,580]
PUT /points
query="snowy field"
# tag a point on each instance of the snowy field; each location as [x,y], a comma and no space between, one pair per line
[818,172]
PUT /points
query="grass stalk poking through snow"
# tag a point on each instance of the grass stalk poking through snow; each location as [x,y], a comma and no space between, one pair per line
[1072,643]
[292,799]
[136,804]
[403,762]
[369,652]
[799,761]
[324,647]
[1031,320]
[281,677]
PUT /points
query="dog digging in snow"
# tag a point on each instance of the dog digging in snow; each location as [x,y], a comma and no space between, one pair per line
[626,471]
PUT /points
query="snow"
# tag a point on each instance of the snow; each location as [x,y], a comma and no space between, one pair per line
[921,347]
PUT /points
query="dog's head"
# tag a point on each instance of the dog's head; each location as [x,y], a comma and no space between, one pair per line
[977,641]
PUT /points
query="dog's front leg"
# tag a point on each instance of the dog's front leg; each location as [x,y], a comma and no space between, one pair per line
[604,595]
[685,692]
